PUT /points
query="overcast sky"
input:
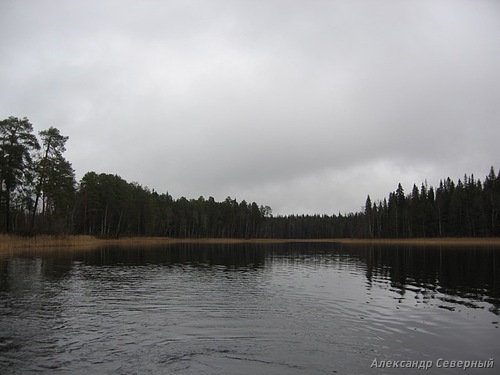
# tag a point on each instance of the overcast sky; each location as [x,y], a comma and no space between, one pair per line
[306,106]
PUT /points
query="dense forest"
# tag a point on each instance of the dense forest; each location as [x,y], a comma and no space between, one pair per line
[39,194]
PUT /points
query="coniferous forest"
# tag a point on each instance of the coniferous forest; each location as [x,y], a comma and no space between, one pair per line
[39,194]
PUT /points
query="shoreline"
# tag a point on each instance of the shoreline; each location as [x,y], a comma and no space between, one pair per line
[11,242]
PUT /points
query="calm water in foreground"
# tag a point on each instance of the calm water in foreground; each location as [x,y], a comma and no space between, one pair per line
[248,309]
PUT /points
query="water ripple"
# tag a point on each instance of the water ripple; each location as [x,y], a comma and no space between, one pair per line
[290,310]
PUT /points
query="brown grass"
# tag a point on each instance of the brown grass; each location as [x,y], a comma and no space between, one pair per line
[9,243]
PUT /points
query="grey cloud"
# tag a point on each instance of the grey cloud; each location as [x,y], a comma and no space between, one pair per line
[303,107]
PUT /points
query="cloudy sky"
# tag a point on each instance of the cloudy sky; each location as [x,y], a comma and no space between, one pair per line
[305,106]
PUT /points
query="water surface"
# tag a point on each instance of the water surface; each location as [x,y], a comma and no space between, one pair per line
[247,309]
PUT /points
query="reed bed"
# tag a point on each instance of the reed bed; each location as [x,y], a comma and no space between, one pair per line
[9,242]
[12,242]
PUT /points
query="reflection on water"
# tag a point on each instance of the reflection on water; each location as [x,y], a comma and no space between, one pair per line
[244,309]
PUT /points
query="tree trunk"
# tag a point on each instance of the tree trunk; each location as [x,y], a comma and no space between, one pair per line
[41,182]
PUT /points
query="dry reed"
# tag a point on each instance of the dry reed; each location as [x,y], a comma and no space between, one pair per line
[10,242]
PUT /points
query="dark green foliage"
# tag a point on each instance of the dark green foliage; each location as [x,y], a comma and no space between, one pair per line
[55,185]
[467,208]
[453,209]
[17,145]
[111,207]
[38,193]
[30,175]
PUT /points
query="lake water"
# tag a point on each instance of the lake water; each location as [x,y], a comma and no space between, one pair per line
[249,309]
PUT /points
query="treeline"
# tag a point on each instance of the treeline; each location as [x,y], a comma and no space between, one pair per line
[37,184]
[467,208]
[107,205]
[39,194]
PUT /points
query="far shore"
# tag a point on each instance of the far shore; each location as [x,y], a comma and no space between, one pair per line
[11,242]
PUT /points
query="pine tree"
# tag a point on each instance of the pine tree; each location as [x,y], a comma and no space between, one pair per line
[55,178]
[17,144]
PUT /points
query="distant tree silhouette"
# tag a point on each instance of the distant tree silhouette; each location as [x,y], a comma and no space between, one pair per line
[38,193]
[17,145]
